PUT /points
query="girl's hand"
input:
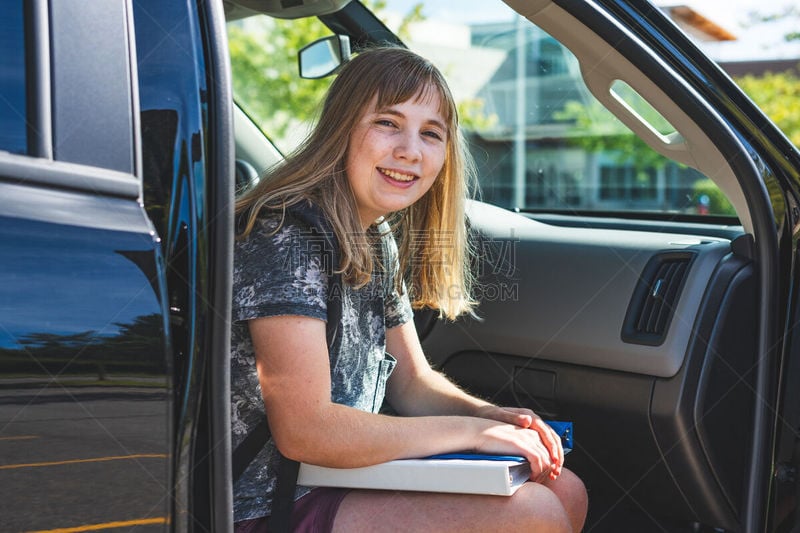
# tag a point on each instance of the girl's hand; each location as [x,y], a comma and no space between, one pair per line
[518,416]
[527,419]
[505,439]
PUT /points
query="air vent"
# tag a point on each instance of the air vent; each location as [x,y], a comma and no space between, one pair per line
[655,298]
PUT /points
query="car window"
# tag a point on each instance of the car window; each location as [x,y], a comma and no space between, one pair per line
[541,141]
[266,82]
[13,136]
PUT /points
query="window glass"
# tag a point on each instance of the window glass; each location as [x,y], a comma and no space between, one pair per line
[13,136]
[266,78]
[540,139]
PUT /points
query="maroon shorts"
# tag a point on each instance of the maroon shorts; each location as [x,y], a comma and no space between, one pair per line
[313,513]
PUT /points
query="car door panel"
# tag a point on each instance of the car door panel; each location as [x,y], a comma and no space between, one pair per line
[562,294]
[651,420]
[86,406]
[673,428]
[83,360]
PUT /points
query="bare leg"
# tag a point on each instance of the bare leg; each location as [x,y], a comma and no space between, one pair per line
[572,494]
[557,507]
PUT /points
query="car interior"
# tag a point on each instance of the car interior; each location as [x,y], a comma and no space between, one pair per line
[643,331]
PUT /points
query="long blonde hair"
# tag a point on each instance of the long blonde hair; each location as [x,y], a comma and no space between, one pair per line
[433,245]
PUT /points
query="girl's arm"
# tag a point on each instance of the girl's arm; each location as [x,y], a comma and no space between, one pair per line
[294,374]
[415,389]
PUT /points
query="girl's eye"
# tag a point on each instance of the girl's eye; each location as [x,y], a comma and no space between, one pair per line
[433,134]
[385,122]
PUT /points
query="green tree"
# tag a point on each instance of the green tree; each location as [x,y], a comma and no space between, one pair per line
[778,95]
[264,67]
[473,117]
[716,201]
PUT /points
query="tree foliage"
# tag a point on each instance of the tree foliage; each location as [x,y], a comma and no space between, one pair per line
[778,95]
[264,67]
[137,348]
[473,117]
[716,201]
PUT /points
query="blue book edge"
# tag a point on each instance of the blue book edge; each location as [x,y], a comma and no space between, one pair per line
[563,429]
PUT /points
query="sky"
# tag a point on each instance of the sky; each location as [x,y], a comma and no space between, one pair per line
[729,14]
[756,41]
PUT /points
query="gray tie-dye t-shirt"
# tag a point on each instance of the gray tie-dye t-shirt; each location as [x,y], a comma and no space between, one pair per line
[284,273]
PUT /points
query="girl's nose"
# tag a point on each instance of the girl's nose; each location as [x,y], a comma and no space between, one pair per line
[408,147]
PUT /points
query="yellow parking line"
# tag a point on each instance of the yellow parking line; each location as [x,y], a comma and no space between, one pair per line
[20,437]
[95,460]
[107,525]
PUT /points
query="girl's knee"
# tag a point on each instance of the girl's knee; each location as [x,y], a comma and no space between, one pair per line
[541,509]
[572,494]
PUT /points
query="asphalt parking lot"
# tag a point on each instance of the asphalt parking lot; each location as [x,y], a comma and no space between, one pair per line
[70,448]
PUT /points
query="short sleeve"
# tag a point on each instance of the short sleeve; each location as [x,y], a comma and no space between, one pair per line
[396,305]
[280,272]
[397,308]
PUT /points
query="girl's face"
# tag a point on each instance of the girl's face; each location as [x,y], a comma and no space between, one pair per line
[395,154]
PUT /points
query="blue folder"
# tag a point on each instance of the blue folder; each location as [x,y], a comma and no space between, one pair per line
[563,429]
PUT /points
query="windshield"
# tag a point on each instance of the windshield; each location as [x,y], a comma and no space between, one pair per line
[540,140]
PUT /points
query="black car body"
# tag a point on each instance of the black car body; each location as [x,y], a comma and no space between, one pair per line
[119,151]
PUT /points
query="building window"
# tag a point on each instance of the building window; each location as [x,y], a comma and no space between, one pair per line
[551,58]
[628,183]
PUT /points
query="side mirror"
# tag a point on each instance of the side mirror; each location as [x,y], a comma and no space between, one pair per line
[324,56]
